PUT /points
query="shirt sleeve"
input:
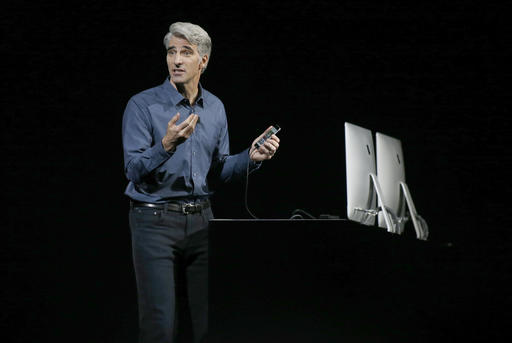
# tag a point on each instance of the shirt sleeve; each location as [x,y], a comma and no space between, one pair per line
[141,154]
[230,167]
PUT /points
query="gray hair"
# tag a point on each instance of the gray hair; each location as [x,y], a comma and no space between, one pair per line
[194,34]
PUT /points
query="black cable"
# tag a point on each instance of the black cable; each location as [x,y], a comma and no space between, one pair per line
[247,189]
[298,212]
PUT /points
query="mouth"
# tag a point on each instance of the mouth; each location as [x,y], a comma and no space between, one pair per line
[178,71]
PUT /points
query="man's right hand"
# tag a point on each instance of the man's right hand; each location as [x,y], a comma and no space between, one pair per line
[177,134]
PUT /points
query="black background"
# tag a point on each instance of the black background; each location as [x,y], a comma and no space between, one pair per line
[433,75]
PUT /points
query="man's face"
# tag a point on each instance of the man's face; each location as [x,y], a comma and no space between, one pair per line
[184,61]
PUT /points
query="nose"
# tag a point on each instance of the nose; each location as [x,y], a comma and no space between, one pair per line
[177,59]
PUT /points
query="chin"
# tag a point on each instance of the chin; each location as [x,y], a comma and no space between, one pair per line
[178,81]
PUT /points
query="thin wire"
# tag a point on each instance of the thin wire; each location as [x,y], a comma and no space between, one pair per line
[297,214]
[247,189]
[303,212]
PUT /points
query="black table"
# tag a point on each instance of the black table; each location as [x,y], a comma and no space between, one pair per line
[328,281]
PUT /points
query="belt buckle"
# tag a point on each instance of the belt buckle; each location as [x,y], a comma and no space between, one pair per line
[188,208]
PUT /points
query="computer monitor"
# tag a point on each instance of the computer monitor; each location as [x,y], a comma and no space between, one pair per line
[360,163]
[394,191]
[390,172]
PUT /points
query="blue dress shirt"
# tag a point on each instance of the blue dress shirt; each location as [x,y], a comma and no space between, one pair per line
[158,176]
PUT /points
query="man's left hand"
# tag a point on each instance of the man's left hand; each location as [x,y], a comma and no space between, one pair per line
[265,151]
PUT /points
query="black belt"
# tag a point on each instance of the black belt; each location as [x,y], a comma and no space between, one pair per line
[185,208]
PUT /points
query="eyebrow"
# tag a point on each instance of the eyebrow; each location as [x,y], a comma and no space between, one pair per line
[184,46]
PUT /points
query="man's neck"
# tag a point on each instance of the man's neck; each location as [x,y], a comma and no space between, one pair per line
[189,91]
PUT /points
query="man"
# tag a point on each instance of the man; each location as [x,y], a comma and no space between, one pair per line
[175,141]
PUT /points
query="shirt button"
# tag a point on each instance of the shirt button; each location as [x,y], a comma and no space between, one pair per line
[195,174]
[193,153]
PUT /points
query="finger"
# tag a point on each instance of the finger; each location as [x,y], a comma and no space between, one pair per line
[195,120]
[267,130]
[274,143]
[274,137]
[264,150]
[187,131]
[193,123]
[270,148]
[267,153]
[186,122]
[264,132]
[174,119]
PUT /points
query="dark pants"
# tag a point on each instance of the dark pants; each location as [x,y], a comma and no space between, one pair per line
[170,255]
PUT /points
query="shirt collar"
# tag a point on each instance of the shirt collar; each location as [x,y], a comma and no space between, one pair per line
[176,97]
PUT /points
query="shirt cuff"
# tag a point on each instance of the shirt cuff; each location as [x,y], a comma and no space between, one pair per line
[164,152]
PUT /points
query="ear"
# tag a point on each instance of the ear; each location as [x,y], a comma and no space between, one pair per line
[204,61]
